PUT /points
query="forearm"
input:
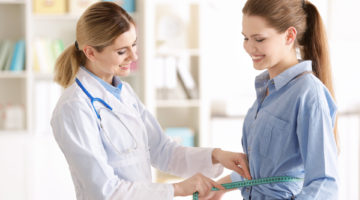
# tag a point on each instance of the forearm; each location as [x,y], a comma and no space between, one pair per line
[325,188]
[186,161]
[214,155]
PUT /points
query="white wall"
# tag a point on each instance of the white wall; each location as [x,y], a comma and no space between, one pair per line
[229,67]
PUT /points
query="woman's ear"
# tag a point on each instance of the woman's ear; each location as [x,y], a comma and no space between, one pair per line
[291,35]
[89,52]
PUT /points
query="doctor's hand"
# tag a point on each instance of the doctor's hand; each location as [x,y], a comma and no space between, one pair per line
[217,195]
[197,183]
[235,161]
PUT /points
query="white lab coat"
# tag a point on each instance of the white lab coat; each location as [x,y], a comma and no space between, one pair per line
[97,170]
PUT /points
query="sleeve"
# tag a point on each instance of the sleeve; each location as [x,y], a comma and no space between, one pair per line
[77,134]
[235,177]
[318,150]
[170,157]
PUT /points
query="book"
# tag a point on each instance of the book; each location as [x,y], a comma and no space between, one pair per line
[18,57]
[2,55]
[9,57]
[182,135]
[57,46]
[14,117]
[46,52]
[50,6]
[186,80]
[5,51]
[165,80]
[129,6]
[77,7]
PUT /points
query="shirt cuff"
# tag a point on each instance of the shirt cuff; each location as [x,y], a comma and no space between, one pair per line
[235,177]
[213,170]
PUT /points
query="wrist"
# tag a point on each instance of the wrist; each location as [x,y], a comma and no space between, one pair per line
[177,189]
[214,155]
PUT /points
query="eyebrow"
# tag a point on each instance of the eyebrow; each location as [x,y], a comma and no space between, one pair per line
[254,35]
[126,46]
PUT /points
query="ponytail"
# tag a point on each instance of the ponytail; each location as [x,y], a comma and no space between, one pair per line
[67,65]
[315,48]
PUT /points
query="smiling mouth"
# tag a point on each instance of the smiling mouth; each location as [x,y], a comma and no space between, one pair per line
[257,58]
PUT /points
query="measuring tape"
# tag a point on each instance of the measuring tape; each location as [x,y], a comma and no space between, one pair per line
[260,181]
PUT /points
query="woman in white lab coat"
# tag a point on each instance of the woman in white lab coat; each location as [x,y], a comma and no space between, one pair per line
[109,139]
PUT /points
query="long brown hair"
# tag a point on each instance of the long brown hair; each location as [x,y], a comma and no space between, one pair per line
[98,27]
[311,35]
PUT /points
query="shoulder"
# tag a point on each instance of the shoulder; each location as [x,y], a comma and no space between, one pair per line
[71,99]
[313,93]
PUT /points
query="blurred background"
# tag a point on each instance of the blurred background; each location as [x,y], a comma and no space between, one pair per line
[192,74]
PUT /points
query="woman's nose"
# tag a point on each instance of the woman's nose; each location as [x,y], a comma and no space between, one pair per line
[133,54]
[250,47]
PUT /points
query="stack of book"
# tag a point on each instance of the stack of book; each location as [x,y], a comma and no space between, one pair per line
[74,7]
[174,77]
[46,51]
[12,55]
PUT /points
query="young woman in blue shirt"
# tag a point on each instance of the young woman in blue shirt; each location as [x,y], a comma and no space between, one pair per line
[290,128]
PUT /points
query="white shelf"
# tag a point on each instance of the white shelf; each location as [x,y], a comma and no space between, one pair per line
[178,52]
[43,76]
[15,133]
[11,75]
[52,17]
[12,2]
[177,103]
[178,1]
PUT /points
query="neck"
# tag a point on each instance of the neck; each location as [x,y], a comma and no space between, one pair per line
[283,65]
[97,71]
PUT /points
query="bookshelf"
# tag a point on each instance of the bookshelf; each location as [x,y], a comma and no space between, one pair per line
[193,112]
[184,42]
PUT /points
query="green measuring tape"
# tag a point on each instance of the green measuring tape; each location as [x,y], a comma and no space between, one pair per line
[260,181]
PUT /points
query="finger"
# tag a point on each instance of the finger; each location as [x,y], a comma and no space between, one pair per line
[207,184]
[217,185]
[245,167]
[202,191]
[239,170]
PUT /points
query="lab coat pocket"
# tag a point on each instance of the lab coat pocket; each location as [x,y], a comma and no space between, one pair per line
[275,133]
[133,166]
[117,133]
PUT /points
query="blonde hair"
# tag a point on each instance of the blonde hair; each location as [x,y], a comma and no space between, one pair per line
[311,34]
[98,27]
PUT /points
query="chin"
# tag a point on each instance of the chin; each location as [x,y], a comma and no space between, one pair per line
[123,73]
[259,67]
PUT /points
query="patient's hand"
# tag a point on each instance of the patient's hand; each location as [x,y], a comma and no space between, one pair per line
[234,161]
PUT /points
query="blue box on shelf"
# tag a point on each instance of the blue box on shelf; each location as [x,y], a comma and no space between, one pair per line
[182,135]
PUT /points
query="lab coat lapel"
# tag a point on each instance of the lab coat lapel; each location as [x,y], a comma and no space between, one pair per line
[98,91]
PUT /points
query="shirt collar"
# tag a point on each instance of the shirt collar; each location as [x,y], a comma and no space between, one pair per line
[285,77]
[289,74]
[114,89]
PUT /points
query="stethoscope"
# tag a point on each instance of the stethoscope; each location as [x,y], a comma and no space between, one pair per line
[109,108]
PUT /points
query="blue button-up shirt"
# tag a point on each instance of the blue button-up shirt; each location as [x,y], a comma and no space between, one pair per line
[114,89]
[290,133]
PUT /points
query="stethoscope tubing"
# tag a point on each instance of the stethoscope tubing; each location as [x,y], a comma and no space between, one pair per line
[92,100]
